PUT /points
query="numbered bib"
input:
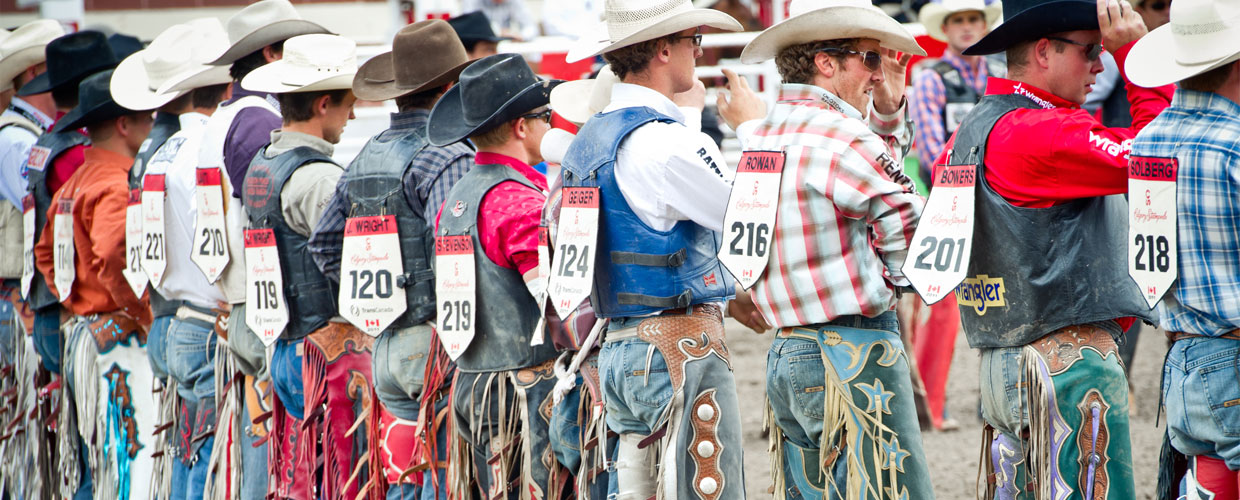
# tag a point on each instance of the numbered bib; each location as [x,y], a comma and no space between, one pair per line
[370,261]
[134,244]
[28,222]
[938,257]
[62,237]
[572,267]
[750,218]
[154,251]
[456,287]
[210,250]
[1152,239]
[538,287]
[266,311]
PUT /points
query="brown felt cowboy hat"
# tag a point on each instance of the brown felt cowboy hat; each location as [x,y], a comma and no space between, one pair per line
[425,55]
[261,24]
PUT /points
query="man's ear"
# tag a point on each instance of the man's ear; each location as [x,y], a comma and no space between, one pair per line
[123,125]
[665,51]
[271,54]
[520,129]
[321,104]
[825,64]
[1041,53]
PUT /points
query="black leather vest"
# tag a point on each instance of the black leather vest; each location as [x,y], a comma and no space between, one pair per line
[1036,270]
[960,96]
[46,149]
[166,124]
[311,300]
[507,314]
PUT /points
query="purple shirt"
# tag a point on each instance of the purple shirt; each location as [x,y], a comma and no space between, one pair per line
[250,131]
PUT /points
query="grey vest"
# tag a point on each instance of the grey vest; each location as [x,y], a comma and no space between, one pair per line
[56,144]
[1036,270]
[960,96]
[166,124]
[507,314]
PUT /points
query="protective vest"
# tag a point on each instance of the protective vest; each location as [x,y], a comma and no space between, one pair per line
[507,313]
[376,187]
[961,97]
[311,301]
[11,215]
[166,124]
[1067,268]
[54,144]
[644,271]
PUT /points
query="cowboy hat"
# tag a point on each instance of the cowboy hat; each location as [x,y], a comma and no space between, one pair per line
[1201,36]
[816,20]
[71,58]
[261,24]
[934,13]
[634,21]
[311,63]
[578,100]
[492,91]
[95,104]
[212,40]
[475,27]
[1025,20]
[430,56]
[26,46]
[137,81]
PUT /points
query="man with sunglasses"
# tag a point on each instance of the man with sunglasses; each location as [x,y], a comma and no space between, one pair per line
[1046,291]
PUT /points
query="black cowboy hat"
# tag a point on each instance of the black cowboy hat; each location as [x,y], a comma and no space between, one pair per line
[492,91]
[124,45]
[71,58]
[1025,20]
[95,103]
[475,26]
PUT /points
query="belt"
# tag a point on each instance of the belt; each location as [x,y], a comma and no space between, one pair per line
[697,310]
[1177,336]
[810,332]
[189,312]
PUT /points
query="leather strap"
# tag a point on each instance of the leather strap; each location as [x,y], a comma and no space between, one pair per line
[1177,336]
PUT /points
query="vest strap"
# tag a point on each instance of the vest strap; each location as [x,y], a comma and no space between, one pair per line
[685,299]
[651,260]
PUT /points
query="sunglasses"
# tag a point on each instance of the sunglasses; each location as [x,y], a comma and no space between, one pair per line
[696,37]
[1092,50]
[1158,6]
[544,115]
[871,59]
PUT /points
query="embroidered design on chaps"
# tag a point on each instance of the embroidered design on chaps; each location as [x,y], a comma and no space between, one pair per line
[1093,438]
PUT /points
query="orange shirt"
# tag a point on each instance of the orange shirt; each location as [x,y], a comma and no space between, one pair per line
[100,193]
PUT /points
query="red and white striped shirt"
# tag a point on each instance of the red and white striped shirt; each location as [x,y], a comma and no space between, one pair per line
[846,211]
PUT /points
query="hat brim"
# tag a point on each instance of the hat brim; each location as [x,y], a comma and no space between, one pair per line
[1051,17]
[78,117]
[934,13]
[131,86]
[831,23]
[447,125]
[267,35]
[673,24]
[376,80]
[571,100]
[202,76]
[280,78]
[1152,62]
[14,64]
[43,82]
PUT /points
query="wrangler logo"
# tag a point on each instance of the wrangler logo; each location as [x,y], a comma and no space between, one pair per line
[981,293]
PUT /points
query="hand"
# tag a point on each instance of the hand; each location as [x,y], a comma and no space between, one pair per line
[743,310]
[890,94]
[692,98]
[1120,24]
[740,103]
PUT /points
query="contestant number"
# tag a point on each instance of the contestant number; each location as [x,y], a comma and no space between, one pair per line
[369,284]
[212,242]
[458,315]
[941,255]
[64,259]
[1152,253]
[154,246]
[575,260]
[749,238]
[265,291]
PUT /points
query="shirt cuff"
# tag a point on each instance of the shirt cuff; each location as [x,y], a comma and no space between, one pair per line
[746,130]
[888,124]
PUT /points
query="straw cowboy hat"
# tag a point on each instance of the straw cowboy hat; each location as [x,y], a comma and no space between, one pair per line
[261,24]
[311,63]
[213,41]
[578,100]
[1032,19]
[816,20]
[634,21]
[934,13]
[71,58]
[492,91]
[25,46]
[95,104]
[430,56]
[137,81]
[1201,36]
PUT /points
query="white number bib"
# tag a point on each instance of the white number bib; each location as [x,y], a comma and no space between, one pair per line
[370,262]
[210,250]
[266,312]
[938,257]
[154,254]
[62,237]
[28,222]
[134,244]
[750,219]
[1152,240]
[538,287]
[572,267]
[456,287]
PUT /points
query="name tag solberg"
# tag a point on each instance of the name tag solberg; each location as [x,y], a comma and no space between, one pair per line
[981,293]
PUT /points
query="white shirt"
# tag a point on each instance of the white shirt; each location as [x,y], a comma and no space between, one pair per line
[15,143]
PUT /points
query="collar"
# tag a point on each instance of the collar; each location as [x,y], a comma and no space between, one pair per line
[628,95]
[800,94]
[406,120]
[283,140]
[1192,99]
[1003,86]
[167,119]
[105,157]
[192,119]
[21,107]
[539,180]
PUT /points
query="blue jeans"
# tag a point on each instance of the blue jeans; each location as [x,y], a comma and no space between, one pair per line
[157,346]
[1201,389]
[190,356]
[399,366]
[47,340]
[287,376]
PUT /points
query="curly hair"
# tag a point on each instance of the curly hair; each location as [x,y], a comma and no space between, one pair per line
[635,58]
[796,62]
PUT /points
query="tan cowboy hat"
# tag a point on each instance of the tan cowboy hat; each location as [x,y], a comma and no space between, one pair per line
[311,63]
[138,80]
[634,21]
[578,100]
[430,56]
[261,24]
[1201,36]
[24,47]
[199,72]
[934,13]
[816,20]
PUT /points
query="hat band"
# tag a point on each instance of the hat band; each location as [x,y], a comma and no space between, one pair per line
[1203,29]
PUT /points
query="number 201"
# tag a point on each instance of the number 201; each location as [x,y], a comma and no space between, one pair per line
[943,251]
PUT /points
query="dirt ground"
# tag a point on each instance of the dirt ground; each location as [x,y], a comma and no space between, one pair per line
[953,456]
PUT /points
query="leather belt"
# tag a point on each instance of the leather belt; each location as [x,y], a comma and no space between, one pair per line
[798,332]
[1177,336]
[190,313]
[697,310]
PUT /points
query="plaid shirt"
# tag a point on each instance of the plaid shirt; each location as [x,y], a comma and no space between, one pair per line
[1202,131]
[846,211]
[929,97]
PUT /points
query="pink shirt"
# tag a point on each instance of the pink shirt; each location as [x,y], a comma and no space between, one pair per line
[510,214]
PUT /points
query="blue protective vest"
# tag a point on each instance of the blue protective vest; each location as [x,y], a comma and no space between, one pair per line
[645,271]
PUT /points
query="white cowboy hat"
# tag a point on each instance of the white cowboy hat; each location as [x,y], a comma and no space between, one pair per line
[140,81]
[816,20]
[311,63]
[261,24]
[25,46]
[634,21]
[934,13]
[1201,36]
[578,100]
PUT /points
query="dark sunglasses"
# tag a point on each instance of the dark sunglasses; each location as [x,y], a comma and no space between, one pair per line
[871,59]
[1158,6]
[544,115]
[696,37]
[1092,50]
